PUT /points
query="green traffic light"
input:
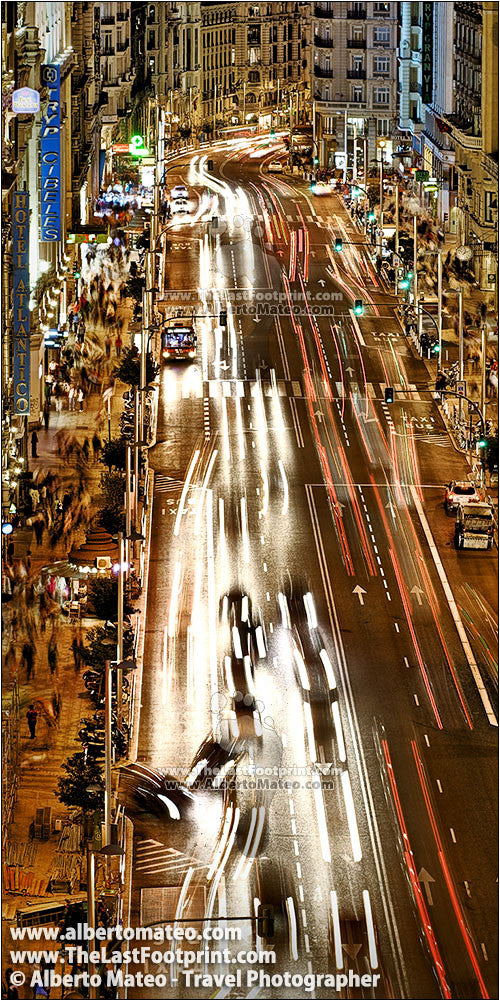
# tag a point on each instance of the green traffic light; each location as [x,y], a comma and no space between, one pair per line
[358,307]
[410,275]
[356,192]
[316,161]
[371,216]
[338,245]
[435,349]
[404,284]
[482,443]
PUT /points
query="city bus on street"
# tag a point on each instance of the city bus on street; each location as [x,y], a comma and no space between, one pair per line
[178,339]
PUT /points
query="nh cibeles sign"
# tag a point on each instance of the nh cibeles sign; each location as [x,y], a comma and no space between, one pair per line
[20,303]
[50,153]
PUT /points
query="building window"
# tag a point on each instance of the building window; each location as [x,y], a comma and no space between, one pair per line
[357,63]
[357,95]
[254,76]
[490,206]
[381,10]
[254,56]
[381,65]
[383,126]
[381,36]
[381,95]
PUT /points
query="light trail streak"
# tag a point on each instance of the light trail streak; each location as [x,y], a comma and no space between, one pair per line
[321,815]
[284,480]
[244,530]
[352,822]
[416,887]
[203,492]
[185,489]
[446,873]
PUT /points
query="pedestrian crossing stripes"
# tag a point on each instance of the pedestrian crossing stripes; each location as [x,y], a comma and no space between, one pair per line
[318,219]
[167,484]
[152,858]
[215,389]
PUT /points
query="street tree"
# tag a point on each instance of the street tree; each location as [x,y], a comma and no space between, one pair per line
[82,773]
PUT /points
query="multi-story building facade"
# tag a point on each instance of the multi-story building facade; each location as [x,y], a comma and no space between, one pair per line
[354,79]
[115,70]
[216,65]
[37,54]
[85,109]
[448,106]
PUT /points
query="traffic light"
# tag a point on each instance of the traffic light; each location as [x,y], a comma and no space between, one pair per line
[371,217]
[435,348]
[389,394]
[273,133]
[338,244]
[76,270]
[265,921]
[316,161]
[356,192]
[410,276]
[404,283]
[483,442]
[223,318]
[358,307]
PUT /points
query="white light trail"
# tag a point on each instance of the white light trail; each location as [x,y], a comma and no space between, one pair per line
[327,664]
[203,491]
[372,945]
[312,620]
[338,730]
[337,937]
[172,615]
[284,508]
[212,610]
[301,667]
[310,732]
[244,530]
[320,812]
[185,489]
[292,926]
[351,817]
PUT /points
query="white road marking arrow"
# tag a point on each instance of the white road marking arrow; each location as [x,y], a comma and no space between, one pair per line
[350,371]
[360,591]
[418,592]
[318,414]
[321,281]
[426,878]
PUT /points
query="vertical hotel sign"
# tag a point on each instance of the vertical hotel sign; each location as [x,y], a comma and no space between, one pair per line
[21,298]
[50,143]
[427,51]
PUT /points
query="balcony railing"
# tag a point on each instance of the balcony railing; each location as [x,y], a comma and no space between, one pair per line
[356,15]
[323,43]
[109,19]
[122,15]
[356,43]
[323,10]
[323,72]
[356,74]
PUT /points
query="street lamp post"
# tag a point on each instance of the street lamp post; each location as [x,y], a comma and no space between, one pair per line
[440,304]
[355,155]
[381,145]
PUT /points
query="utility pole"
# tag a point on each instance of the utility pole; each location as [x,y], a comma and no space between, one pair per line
[415,277]
[119,638]
[440,305]
[345,146]
[460,345]
[381,219]
[355,155]
[483,371]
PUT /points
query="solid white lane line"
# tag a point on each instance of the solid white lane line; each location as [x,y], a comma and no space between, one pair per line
[476,674]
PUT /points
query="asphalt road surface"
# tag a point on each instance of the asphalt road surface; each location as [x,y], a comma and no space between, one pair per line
[279,469]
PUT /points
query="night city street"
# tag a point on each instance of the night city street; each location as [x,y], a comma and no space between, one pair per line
[250,500]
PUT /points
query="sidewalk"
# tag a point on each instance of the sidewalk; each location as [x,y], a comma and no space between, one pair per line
[31,863]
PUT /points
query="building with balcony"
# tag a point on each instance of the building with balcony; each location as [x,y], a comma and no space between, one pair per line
[216,65]
[448,107]
[85,109]
[115,69]
[36,54]
[353,70]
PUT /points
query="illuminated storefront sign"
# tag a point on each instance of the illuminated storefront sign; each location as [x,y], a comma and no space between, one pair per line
[20,303]
[50,143]
[427,51]
[25,101]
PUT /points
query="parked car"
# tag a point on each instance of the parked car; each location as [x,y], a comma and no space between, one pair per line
[459,492]
[474,526]
[180,206]
[180,191]
[320,188]
[275,167]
